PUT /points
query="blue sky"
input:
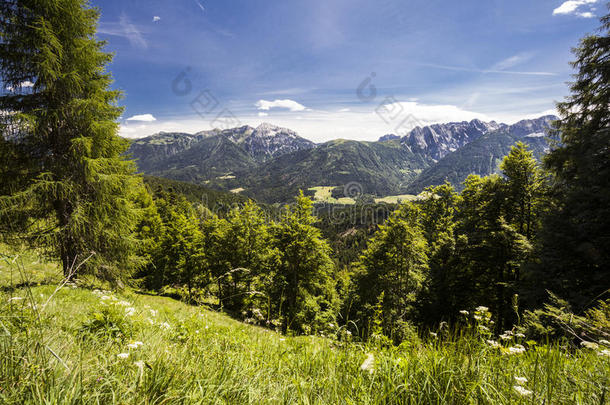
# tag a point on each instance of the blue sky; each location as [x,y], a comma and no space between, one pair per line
[190,65]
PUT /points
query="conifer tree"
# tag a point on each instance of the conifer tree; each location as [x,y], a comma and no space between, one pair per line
[576,242]
[67,187]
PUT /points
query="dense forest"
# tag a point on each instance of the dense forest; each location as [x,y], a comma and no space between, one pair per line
[529,245]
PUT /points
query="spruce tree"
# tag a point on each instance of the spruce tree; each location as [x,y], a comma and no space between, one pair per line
[67,187]
[576,240]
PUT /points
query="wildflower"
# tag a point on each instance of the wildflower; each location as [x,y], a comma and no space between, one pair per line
[521,380]
[282,339]
[508,332]
[124,303]
[434,335]
[519,335]
[589,345]
[482,309]
[517,349]
[139,364]
[464,312]
[122,355]
[505,337]
[493,343]
[369,363]
[484,328]
[129,311]
[15,299]
[153,312]
[604,342]
[522,391]
[105,297]
[165,325]
[477,317]
[135,345]
[604,352]
[150,321]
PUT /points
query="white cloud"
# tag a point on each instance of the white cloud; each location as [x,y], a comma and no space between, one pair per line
[262,114]
[344,110]
[26,83]
[142,117]
[124,28]
[156,18]
[574,7]
[512,61]
[283,104]
[200,5]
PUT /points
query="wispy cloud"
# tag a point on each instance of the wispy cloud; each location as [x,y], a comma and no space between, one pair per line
[124,29]
[496,71]
[200,5]
[142,117]
[286,104]
[262,114]
[575,7]
[512,61]
[156,18]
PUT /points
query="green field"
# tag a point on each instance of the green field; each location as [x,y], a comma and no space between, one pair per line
[82,344]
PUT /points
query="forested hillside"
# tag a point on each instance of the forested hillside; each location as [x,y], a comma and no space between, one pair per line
[115,287]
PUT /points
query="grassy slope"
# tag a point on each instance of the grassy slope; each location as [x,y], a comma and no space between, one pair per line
[206,357]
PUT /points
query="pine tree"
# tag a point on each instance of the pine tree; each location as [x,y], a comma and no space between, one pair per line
[73,190]
[576,242]
[304,286]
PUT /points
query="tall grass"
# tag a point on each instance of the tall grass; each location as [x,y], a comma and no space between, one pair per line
[68,352]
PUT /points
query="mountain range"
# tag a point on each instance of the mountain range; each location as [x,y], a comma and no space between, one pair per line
[271,163]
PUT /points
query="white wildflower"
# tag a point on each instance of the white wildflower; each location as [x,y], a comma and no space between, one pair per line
[129,311]
[135,345]
[604,342]
[505,337]
[519,335]
[369,363]
[477,317]
[521,380]
[517,349]
[105,297]
[493,343]
[482,309]
[122,355]
[604,352]
[15,299]
[282,339]
[589,345]
[434,335]
[124,303]
[153,312]
[524,392]
[165,325]
[139,364]
[484,328]
[464,312]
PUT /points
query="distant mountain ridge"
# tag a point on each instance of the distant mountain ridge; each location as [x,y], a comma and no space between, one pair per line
[272,163]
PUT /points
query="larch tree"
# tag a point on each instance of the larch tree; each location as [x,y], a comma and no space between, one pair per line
[67,186]
[576,240]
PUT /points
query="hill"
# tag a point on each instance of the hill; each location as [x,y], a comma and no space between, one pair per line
[271,164]
[79,343]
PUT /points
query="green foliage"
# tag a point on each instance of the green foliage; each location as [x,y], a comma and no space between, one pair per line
[304,294]
[395,264]
[555,321]
[73,193]
[576,246]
